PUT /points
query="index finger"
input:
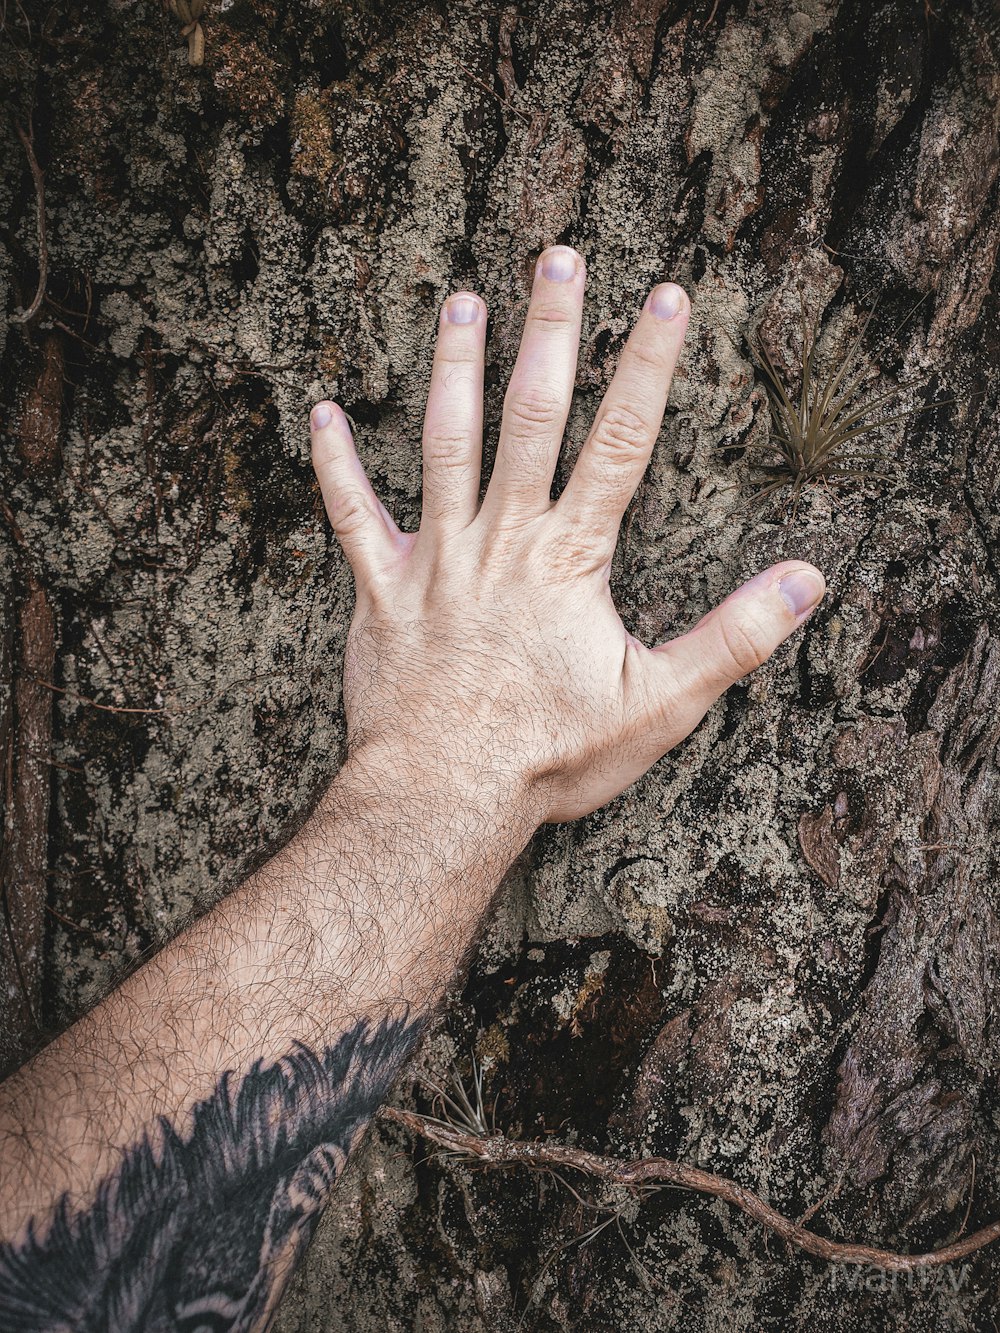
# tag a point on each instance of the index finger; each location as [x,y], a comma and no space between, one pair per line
[613,459]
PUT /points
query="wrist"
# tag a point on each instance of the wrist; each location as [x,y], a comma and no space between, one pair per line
[421,850]
[435,788]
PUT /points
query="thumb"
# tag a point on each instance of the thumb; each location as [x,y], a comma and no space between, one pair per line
[739,634]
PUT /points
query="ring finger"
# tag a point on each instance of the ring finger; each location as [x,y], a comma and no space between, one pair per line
[614,457]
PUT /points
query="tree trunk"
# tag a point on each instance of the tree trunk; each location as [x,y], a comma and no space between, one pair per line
[776,957]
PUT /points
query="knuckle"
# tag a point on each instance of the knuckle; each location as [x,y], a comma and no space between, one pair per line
[531,408]
[745,640]
[649,356]
[621,435]
[349,514]
[551,314]
[447,449]
[455,362]
[577,547]
[502,545]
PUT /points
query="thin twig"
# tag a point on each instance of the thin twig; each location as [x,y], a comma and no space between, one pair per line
[972,1191]
[75,925]
[92,703]
[43,250]
[493,93]
[496,1150]
[84,699]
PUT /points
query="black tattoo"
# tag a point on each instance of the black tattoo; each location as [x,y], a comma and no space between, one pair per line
[201,1234]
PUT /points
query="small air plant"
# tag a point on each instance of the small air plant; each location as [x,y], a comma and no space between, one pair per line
[815,426]
[461,1109]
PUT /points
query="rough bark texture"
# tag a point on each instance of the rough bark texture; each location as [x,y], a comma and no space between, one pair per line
[26,721]
[777,956]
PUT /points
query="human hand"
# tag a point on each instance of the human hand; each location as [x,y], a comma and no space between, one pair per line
[486,646]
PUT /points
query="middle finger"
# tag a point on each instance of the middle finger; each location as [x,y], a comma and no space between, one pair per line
[540,392]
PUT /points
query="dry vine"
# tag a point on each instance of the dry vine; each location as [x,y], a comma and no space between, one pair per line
[28,141]
[660,1172]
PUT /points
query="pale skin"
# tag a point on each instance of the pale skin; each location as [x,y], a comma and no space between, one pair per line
[489,686]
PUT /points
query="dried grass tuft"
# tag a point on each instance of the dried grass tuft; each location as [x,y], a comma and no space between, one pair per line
[816,425]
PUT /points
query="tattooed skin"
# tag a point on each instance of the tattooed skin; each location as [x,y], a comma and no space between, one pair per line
[201,1233]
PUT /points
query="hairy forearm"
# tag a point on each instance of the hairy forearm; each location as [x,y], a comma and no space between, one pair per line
[283,1014]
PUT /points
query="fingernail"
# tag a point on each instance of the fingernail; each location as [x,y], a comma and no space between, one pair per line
[559,264]
[666,300]
[322,415]
[802,589]
[462,310]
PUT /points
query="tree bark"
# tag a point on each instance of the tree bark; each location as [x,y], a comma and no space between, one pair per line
[776,957]
[26,723]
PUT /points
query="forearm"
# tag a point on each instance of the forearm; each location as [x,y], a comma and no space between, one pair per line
[305,989]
